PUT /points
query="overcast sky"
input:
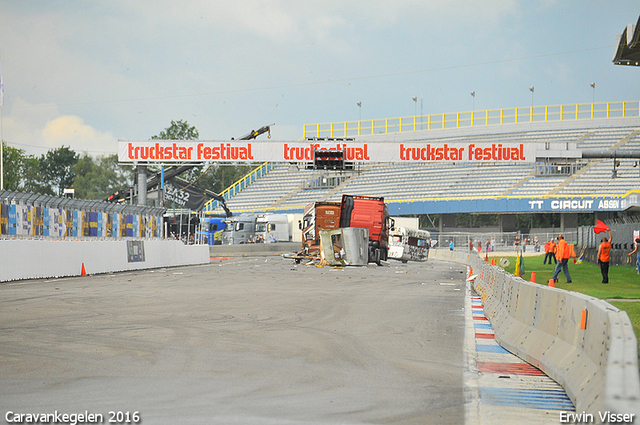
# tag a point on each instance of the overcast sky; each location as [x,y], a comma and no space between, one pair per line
[87,73]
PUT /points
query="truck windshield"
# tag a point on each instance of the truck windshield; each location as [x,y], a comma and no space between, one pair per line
[261,227]
[307,220]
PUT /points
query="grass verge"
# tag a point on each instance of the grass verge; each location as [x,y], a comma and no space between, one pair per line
[624,283]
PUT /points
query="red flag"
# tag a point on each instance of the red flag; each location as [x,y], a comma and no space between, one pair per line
[600,227]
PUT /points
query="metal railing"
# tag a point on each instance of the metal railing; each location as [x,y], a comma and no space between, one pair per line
[47,201]
[501,241]
[527,114]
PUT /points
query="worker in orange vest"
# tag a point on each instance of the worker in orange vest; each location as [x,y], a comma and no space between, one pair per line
[563,253]
[550,252]
[604,257]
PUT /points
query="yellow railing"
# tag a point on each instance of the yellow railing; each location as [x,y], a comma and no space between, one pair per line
[527,114]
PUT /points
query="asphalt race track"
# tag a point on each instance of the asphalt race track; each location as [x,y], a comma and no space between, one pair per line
[239,341]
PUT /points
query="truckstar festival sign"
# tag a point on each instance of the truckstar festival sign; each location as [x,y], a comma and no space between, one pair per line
[181,151]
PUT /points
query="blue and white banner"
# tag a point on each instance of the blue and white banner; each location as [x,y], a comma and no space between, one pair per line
[550,204]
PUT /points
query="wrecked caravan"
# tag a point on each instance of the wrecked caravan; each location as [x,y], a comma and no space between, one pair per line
[318,216]
[408,244]
[346,246]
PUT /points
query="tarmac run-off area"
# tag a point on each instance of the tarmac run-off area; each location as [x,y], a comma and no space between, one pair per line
[242,341]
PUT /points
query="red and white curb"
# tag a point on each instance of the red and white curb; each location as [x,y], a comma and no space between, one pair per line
[501,388]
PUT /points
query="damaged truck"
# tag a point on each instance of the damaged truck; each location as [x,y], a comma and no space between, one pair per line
[366,212]
[371,213]
[317,216]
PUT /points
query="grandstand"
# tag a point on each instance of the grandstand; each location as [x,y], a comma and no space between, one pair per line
[418,187]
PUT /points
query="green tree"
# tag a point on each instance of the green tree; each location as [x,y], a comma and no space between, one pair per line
[86,171]
[222,175]
[178,130]
[12,163]
[56,169]
[99,178]
[32,177]
[181,130]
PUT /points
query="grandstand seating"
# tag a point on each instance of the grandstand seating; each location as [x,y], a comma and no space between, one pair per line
[287,188]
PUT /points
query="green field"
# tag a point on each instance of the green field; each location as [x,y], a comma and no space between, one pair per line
[624,283]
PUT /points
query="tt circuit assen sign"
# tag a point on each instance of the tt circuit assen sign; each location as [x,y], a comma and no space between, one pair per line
[168,151]
[517,204]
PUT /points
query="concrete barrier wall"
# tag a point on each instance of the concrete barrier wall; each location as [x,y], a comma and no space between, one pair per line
[597,366]
[254,249]
[31,259]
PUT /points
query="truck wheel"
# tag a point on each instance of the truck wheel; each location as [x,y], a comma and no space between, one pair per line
[378,257]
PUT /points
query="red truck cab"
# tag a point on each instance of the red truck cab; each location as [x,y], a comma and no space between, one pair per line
[370,213]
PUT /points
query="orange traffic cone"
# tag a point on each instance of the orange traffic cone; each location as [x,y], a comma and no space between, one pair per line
[552,283]
[533,277]
[470,272]
[486,257]
[83,272]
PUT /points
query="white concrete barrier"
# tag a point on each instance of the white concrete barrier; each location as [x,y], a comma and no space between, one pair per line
[595,360]
[31,259]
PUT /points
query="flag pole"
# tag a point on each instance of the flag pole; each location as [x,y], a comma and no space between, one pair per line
[1,139]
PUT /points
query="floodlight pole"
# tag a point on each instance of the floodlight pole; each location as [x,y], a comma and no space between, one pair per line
[421,110]
[473,110]
[531,89]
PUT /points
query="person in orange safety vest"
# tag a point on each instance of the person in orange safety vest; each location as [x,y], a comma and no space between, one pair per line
[604,257]
[563,253]
[550,252]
